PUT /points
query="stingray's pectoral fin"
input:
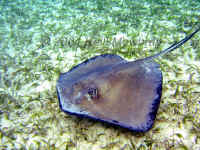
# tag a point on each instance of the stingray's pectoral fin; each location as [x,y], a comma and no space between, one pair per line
[123,93]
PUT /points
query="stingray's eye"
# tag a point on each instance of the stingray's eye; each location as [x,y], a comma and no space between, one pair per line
[93,93]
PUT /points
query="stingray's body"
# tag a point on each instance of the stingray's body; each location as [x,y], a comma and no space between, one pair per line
[113,90]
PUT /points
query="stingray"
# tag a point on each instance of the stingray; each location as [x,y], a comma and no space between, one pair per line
[110,89]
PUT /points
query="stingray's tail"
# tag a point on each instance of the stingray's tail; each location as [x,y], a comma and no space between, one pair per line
[175,45]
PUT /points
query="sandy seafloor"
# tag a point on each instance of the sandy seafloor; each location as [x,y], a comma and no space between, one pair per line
[40,39]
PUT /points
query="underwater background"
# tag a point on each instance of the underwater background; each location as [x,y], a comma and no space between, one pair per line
[39,39]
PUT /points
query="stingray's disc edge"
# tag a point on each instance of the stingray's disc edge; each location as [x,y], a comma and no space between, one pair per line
[144,127]
[113,122]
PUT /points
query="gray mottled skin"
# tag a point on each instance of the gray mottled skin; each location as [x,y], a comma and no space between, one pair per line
[110,89]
